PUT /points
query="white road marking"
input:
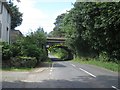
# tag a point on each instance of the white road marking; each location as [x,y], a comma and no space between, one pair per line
[115,88]
[52,66]
[50,73]
[73,65]
[87,72]
[29,81]
[39,70]
[51,69]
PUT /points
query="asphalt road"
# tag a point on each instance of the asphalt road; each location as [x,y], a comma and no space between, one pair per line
[62,74]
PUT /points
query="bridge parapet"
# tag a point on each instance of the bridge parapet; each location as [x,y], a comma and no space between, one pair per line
[55,40]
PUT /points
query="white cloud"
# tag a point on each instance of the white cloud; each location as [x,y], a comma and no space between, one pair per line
[31,15]
[34,17]
[56,0]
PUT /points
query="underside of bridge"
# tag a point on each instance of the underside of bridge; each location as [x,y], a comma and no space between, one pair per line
[59,43]
[69,55]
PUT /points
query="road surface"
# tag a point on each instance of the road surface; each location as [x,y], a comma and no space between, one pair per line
[62,74]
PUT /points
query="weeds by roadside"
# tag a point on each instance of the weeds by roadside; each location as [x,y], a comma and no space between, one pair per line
[108,65]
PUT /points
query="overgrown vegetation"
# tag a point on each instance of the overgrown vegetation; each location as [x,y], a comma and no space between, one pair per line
[27,51]
[108,65]
[92,32]
[60,53]
[92,29]
[16,18]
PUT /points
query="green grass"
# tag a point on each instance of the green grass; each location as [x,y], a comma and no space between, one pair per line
[48,61]
[56,55]
[108,65]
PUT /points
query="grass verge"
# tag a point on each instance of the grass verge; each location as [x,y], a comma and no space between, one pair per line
[57,55]
[16,69]
[108,65]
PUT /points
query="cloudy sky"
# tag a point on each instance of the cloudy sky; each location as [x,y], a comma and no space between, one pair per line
[41,13]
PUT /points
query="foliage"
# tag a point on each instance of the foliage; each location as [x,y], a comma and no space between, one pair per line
[100,26]
[108,65]
[23,61]
[93,28]
[57,30]
[6,52]
[35,42]
[16,18]
[16,48]
[32,45]
[60,53]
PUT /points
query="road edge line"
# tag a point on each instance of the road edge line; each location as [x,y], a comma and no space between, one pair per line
[73,65]
[115,88]
[87,72]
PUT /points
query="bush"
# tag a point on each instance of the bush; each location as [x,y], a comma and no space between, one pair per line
[6,51]
[103,57]
[16,49]
[26,51]
[23,61]
[33,51]
[44,55]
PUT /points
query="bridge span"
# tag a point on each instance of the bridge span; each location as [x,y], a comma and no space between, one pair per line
[53,42]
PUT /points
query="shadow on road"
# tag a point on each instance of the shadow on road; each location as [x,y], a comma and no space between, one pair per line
[78,82]
[48,64]
[58,65]
[58,59]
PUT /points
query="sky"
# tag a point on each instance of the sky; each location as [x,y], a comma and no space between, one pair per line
[41,13]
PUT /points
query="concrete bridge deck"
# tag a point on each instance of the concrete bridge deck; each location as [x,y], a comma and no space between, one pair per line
[55,40]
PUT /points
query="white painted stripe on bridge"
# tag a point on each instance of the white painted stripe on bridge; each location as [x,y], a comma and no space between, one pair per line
[87,72]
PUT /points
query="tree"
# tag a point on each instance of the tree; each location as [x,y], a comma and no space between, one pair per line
[99,24]
[38,40]
[92,28]
[32,45]
[57,31]
[16,0]
[97,28]
[16,18]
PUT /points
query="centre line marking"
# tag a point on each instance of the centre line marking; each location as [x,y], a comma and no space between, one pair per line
[73,65]
[87,72]
[51,69]
[50,73]
[115,88]
[39,70]
[52,66]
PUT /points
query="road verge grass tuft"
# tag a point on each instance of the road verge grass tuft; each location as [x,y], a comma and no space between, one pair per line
[108,65]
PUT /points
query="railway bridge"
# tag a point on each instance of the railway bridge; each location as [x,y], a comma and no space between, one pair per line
[53,42]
